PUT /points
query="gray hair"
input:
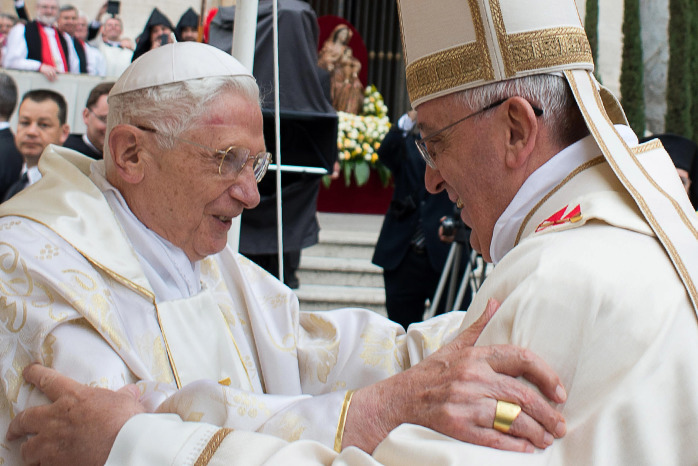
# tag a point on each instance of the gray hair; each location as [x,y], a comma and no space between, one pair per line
[174,108]
[546,91]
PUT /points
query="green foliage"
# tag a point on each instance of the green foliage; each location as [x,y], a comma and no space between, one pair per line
[632,68]
[679,92]
[591,25]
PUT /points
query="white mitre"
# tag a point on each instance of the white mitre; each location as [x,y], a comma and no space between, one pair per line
[454,45]
[172,63]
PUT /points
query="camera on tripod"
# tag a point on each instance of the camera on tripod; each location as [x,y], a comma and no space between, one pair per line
[454,226]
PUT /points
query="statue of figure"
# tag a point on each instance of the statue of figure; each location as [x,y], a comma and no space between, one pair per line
[337,57]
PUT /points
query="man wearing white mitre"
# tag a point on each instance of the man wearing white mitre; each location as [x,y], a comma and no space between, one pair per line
[117,271]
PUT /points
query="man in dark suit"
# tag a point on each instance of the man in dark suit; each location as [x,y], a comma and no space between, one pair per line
[41,121]
[409,249]
[95,117]
[10,158]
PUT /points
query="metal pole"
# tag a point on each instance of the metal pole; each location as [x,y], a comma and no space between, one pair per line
[277,131]
[244,38]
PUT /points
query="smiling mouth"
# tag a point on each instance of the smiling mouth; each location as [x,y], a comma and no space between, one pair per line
[223,218]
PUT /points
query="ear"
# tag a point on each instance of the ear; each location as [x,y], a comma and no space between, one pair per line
[126,152]
[65,132]
[522,131]
[85,115]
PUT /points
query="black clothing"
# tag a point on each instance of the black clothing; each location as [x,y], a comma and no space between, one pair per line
[33,39]
[80,51]
[16,187]
[143,42]
[412,262]
[188,19]
[11,161]
[76,142]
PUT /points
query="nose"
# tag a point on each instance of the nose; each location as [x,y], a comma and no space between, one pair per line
[433,180]
[244,188]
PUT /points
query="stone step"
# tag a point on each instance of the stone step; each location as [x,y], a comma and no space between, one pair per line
[337,272]
[318,270]
[325,297]
[346,244]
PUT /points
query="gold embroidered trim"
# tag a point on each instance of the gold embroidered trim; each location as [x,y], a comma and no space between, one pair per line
[591,163]
[648,146]
[669,246]
[444,70]
[342,421]
[501,31]
[211,447]
[167,347]
[547,48]
[453,67]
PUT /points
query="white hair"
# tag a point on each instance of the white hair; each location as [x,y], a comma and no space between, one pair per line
[546,91]
[174,108]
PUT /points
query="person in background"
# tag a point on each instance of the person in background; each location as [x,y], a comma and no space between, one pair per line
[188,26]
[39,46]
[408,248]
[41,121]
[10,159]
[96,65]
[158,31]
[7,22]
[117,51]
[95,117]
[67,24]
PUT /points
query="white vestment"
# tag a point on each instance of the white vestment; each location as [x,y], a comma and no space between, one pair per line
[74,296]
[116,58]
[585,284]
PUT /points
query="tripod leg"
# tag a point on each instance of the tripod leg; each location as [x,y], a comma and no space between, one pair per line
[442,283]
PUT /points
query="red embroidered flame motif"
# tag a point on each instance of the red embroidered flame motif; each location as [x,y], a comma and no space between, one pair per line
[557,218]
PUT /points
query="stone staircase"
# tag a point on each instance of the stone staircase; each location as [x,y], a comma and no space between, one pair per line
[337,272]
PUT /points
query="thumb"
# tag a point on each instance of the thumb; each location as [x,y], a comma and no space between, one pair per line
[470,335]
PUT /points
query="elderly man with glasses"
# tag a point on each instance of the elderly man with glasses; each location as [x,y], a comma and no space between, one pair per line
[117,272]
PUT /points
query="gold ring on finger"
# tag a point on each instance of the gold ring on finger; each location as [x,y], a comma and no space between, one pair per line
[504,415]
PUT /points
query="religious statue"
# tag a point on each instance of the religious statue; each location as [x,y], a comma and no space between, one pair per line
[337,57]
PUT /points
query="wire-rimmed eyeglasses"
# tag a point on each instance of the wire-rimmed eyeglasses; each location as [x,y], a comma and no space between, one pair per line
[233,159]
[102,118]
[422,142]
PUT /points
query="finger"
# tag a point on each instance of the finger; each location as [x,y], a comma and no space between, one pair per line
[49,381]
[532,404]
[26,422]
[524,426]
[522,362]
[470,335]
[495,439]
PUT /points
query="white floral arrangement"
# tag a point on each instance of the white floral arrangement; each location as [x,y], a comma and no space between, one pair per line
[360,136]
